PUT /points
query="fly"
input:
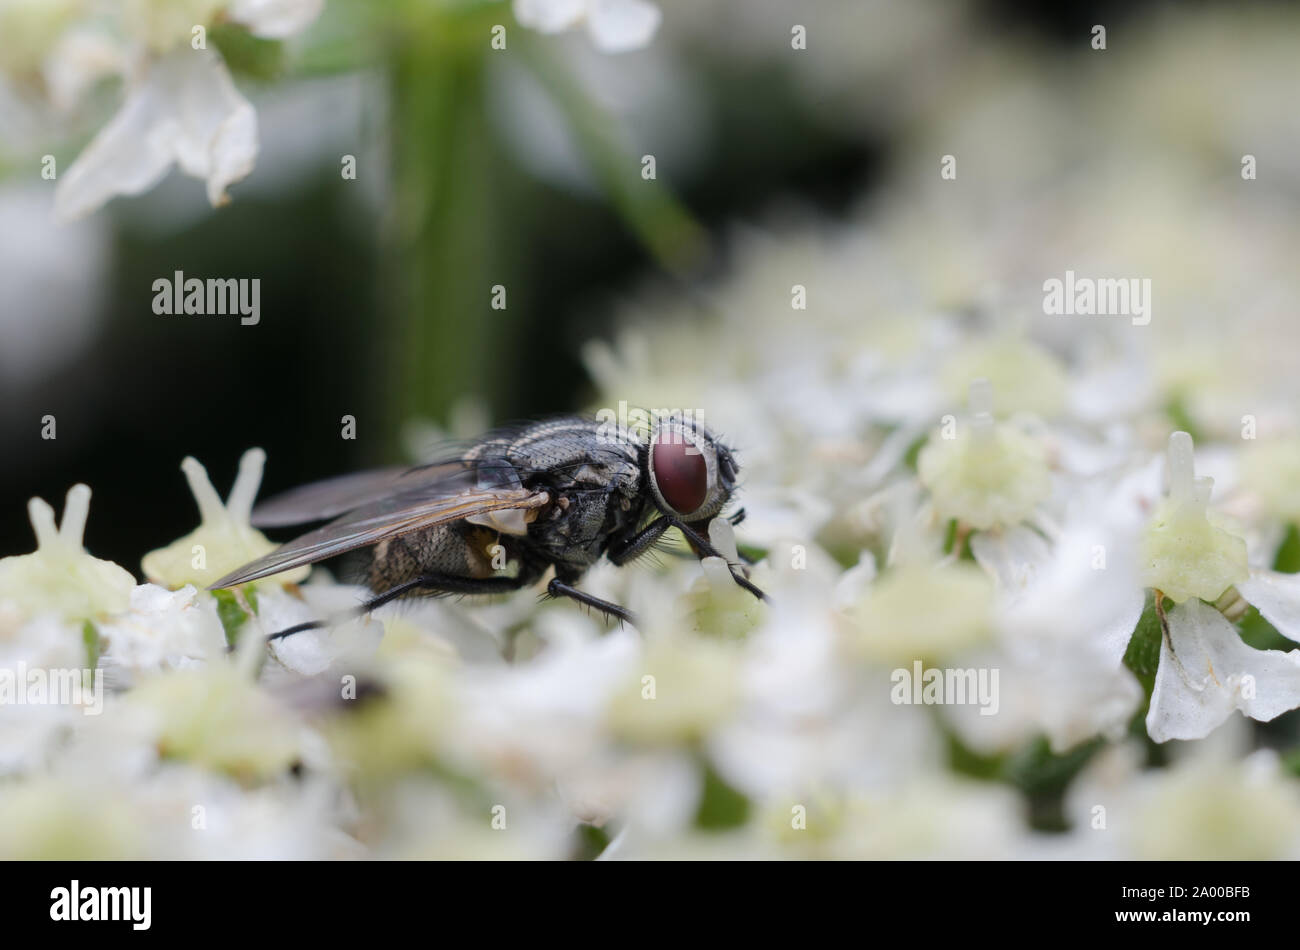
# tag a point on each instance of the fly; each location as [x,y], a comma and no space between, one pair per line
[560,493]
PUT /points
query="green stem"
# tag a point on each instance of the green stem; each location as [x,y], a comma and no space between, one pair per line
[655,216]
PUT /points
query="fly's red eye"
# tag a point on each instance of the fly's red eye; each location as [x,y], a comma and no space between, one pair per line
[680,473]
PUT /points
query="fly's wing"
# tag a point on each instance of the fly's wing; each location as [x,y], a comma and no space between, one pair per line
[332,497]
[443,500]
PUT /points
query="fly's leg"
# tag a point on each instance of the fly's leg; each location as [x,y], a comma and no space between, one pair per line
[735,519]
[638,544]
[557,588]
[435,583]
[705,549]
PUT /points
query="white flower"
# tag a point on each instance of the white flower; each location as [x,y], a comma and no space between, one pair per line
[81,58]
[428,821]
[163,629]
[184,110]
[683,688]
[60,577]
[615,26]
[649,795]
[347,643]
[810,721]
[46,642]
[275,19]
[1074,600]
[181,106]
[984,473]
[1206,671]
[30,29]
[1210,809]
[1024,376]
[1214,802]
[215,718]
[1277,596]
[1062,621]
[922,611]
[224,540]
[1185,553]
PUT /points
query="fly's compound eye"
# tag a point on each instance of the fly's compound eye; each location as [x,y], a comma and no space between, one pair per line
[679,472]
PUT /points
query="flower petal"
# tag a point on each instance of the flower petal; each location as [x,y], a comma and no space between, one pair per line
[80,59]
[275,19]
[1278,598]
[185,110]
[617,26]
[549,16]
[1210,672]
[1082,593]
[1013,555]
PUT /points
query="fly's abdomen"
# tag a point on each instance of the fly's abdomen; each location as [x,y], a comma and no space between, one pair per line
[458,549]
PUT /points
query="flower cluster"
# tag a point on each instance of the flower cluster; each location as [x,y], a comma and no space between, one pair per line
[1011,555]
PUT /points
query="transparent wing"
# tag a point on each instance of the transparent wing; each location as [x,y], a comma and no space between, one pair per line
[332,497]
[444,500]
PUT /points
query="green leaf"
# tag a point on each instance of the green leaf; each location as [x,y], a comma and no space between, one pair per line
[1260,634]
[231,614]
[1043,776]
[648,207]
[589,842]
[966,761]
[1039,774]
[1288,553]
[246,54]
[721,806]
[90,637]
[949,535]
[1143,653]
[1178,414]
[914,451]
[1291,761]
[1036,769]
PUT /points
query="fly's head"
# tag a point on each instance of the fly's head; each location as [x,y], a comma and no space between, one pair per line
[690,473]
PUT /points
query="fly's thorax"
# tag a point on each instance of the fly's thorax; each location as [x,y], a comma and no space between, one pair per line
[575,528]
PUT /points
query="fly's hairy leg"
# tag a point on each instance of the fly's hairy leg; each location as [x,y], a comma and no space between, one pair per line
[735,519]
[434,583]
[633,547]
[557,588]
